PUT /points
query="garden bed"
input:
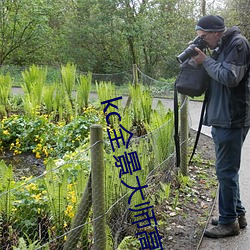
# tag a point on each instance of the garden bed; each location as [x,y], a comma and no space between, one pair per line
[184,225]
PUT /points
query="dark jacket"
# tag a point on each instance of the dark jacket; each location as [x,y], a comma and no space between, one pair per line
[229,90]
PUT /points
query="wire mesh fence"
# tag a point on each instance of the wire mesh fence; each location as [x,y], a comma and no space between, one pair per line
[56,209]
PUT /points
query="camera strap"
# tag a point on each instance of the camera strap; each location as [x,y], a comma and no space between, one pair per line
[176,126]
[199,127]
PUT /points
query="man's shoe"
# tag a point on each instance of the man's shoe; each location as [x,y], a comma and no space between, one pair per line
[241,219]
[221,231]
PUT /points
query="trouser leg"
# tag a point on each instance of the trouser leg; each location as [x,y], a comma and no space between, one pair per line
[228,144]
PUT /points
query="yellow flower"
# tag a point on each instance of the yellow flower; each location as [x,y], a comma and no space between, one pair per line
[37,196]
[69,211]
[45,151]
[38,155]
[14,209]
[31,187]
[16,152]
[73,199]
[6,132]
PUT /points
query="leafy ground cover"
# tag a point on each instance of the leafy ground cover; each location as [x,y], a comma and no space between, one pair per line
[184,219]
[182,213]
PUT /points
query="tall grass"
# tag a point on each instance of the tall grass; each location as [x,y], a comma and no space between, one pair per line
[33,86]
[68,74]
[6,184]
[48,98]
[141,103]
[83,91]
[161,128]
[5,90]
[107,91]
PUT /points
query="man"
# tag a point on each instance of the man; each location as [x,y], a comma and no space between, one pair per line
[228,112]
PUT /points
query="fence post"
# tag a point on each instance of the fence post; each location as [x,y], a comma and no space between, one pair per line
[98,194]
[135,82]
[135,74]
[184,135]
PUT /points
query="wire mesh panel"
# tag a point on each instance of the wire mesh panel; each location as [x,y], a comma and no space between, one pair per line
[54,208]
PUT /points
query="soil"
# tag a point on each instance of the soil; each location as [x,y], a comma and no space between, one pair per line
[25,164]
[185,222]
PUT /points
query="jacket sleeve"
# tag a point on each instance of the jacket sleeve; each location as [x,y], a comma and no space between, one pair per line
[234,66]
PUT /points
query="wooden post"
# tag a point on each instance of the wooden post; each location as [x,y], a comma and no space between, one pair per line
[135,74]
[135,82]
[184,135]
[98,194]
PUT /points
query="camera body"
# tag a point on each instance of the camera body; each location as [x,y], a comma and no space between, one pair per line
[190,51]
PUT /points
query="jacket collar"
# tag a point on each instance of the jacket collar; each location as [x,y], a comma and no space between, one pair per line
[231,32]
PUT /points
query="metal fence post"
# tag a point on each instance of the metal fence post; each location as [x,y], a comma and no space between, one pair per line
[184,135]
[98,194]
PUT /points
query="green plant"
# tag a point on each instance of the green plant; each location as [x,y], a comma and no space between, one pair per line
[176,199]
[163,193]
[107,91]
[34,81]
[142,109]
[166,187]
[83,91]
[30,208]
[184,181]
[6,196]
[62,104]
[48,98]
[68,74]
[29,245]
[42,136]
[146,101]
[5,90]
[129,243]
[64,183]
[56,187]
[161,128]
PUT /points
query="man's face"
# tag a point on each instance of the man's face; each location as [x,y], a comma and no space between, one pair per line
[211,38]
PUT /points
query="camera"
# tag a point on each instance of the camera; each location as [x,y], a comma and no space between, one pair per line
[190,51]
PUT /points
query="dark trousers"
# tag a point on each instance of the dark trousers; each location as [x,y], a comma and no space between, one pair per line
[228,145]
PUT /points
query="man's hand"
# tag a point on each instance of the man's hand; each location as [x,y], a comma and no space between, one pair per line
[200,58]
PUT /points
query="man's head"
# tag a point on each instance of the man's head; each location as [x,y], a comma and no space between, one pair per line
[211,28]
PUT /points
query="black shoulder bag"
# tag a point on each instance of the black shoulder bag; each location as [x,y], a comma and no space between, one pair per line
[191,81]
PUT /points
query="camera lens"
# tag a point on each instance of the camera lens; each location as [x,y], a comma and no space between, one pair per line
[187,53]
[190,51]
